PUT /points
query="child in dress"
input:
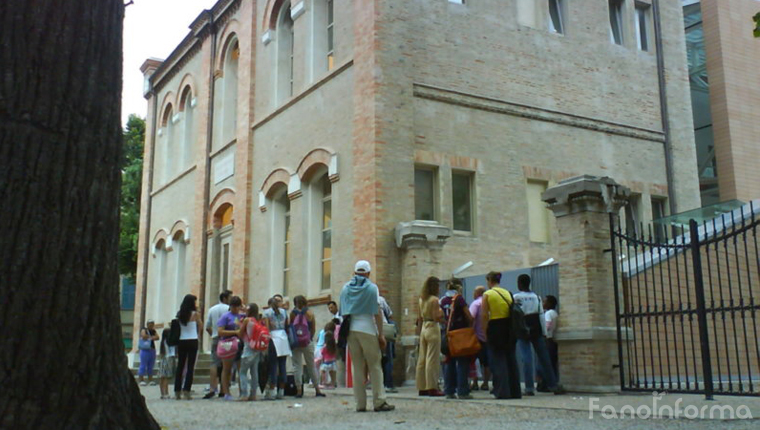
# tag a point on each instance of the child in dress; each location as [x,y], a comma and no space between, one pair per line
[168,364]
[329,355]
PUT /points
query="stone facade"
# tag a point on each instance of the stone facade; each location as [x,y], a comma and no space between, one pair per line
[457,88]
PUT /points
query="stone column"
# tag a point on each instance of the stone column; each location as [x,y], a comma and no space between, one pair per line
[421,243]
[587,338]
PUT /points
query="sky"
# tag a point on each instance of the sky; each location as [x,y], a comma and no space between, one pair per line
[152,28]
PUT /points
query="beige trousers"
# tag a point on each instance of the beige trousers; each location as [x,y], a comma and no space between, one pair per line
[365,349]
[428,359]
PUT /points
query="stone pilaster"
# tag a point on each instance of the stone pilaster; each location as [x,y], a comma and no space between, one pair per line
[420,243]
[587,337]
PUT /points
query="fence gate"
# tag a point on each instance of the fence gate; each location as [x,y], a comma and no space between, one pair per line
[688,306]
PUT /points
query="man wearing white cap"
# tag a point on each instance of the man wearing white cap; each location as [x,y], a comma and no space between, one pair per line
[358,305]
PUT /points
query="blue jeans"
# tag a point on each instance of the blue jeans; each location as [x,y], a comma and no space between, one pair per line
[388,364]
[249,374]
[457,370]
[526,353]
[277,369]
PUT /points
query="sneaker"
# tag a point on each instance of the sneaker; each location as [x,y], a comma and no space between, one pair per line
[280,394]
[385,407]
[228,397]
[143,383]
[177,395]
[451,396]
[559,390]
[152,383]
[484,387]
[268,395]
[187,395]
[210,395]
[361,409]
[528,393]
[391,390]
[466,397]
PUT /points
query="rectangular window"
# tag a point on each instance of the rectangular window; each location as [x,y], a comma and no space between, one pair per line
[326,233]
[424,194]
[556,16]
[538,214]
[658,212]
[642,20]
[291,61]
[633,215]
[461,187]
[330,35]
[616,21]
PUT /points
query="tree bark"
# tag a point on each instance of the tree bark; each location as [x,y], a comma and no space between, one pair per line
[62,362]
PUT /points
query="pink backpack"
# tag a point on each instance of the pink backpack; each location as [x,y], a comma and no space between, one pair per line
[301,329]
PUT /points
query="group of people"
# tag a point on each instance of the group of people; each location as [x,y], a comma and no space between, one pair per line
[490,317]
[358,335]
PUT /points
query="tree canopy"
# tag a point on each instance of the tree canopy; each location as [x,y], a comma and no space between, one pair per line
[131,186]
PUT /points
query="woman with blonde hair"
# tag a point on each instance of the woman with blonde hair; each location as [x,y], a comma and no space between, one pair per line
[428,362]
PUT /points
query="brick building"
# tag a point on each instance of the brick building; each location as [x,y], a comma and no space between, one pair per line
[287,139]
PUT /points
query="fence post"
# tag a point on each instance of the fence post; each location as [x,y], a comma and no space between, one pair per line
[613,250]
[699,289]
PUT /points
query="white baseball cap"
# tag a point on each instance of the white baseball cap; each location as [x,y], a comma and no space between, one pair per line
[362,266]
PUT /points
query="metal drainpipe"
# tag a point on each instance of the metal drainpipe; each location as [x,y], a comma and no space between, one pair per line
[207,176]
[664,108]
[147,206]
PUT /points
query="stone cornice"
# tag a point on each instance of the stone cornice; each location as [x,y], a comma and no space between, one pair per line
[489,104]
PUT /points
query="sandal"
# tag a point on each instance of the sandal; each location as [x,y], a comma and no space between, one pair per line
[385,407]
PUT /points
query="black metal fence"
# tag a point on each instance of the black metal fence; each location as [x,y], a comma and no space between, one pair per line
[688,306]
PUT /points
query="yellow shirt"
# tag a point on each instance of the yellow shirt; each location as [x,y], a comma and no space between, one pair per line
[497,306]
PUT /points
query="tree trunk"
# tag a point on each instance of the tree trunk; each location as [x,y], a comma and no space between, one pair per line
[62,362]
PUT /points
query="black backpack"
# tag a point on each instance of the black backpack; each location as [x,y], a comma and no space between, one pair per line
[518,326]
[174,333]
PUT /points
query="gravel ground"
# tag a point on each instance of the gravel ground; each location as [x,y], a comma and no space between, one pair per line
[336,412]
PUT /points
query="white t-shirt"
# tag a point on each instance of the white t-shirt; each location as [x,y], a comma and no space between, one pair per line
[551,318]
[214,314]
[530,304]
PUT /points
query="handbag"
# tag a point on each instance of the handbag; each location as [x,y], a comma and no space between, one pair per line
[227,348]
[145,344]
[389,331]
[461,342]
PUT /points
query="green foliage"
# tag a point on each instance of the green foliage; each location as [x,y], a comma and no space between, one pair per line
[131,187]
[756,18]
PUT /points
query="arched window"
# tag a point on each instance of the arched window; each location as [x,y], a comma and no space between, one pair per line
[323,36]
[221,247]
[180,260]
[326,231]
[159,280]
[225,96]
[285,48]
[188,127]
[281,249]
[167,145]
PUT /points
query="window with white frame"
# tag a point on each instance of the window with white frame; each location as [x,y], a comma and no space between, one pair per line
[557,16]
[180,253]
[326,258]
[538,214]
[616,21]
[425,201]
[160,278]
[167,145]
[659,212]
[188,126]
[285,48]
[462,200]
[642,26]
